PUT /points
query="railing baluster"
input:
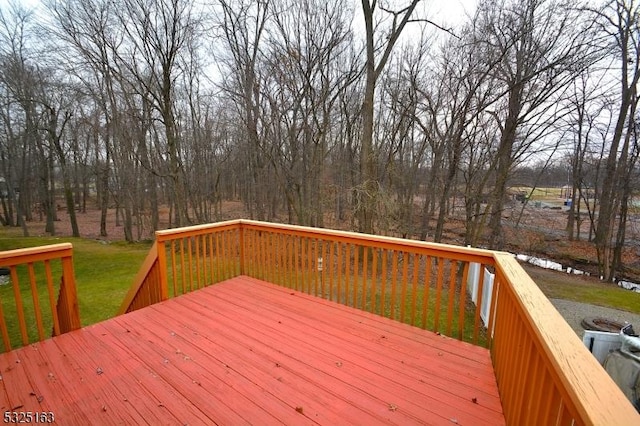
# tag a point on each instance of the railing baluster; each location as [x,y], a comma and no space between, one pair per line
[497,287]
[436,320]
[282,250]
[403,290]
[356,274]
[36,300]
[174,272]
[323,275]
[296,262]
[476,322]
[339,263]
[501,341]
[453,271]
[394,283]
[425,291]
[213,253]
[19,306]
[527,376]
[198,272]
[249,252]
[365,277]
[190,257]
[208,274]
[228,254]
[546,403]
[414,287]
[463,300]
[374,279]
[304,258]
[313,252]
[383,284]
[275,258]
[183,267]
[219,257]
[524,368]
[272,256]
[330,264]
[532,397]
[347,273]
[51,293]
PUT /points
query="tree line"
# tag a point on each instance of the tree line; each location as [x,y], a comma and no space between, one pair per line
[372,113]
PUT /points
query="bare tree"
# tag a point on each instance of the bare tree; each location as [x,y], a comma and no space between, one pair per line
[541,50]
[379,46]
[308,68]
[242,27]
[619,20]
[157,35]
[26,152]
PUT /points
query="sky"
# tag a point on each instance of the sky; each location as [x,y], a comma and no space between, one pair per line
[448,11]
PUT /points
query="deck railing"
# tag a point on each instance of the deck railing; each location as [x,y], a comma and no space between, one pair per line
[544,373]
[30,309]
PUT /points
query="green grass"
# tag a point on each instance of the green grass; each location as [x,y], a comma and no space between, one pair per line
[104,272]
[584,289]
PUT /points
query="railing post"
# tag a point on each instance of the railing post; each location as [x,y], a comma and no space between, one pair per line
[70,295]
[241,241]
[162,264]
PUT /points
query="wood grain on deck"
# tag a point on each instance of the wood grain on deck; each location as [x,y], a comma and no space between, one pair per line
[249,352]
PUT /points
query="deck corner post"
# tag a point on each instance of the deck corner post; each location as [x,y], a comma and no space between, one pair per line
[241,244]
[70,295]
[162,265]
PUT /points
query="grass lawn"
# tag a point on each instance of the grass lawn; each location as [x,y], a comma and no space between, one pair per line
[104,272]
[590,290]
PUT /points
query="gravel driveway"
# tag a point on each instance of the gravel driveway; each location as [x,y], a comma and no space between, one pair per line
[573,312]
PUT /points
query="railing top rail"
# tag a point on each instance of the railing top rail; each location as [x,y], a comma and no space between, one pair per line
[34,254]
[458,252]
[576,368]
[188,231]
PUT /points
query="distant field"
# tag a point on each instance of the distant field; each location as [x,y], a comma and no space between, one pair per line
[549,196]
[541,193]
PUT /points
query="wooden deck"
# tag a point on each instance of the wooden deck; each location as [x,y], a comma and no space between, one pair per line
[245,351]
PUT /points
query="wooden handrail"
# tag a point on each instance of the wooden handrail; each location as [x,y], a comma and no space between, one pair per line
[141,279]
[63,312]
[537,354]
[35,254]
[438,249]
[544,373]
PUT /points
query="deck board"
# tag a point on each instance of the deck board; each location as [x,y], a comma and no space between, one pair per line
[249,352]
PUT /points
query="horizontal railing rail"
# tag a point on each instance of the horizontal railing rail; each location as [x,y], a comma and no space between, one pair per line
[146,290]
[544,373]
[31,300]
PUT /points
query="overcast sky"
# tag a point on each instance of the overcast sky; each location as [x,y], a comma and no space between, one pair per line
[449,11]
